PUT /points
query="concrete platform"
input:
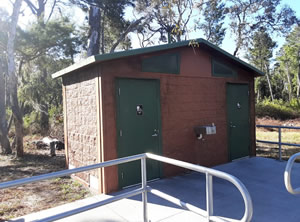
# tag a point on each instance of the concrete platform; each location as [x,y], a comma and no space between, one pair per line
[262,177]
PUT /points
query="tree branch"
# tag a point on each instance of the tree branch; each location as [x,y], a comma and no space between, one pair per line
[31,6]
[130,28]
[51,12]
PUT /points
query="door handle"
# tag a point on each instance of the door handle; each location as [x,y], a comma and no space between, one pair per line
[231,125]
[155,132]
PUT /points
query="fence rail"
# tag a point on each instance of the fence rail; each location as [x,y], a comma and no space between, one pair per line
[144,189]
[279,143]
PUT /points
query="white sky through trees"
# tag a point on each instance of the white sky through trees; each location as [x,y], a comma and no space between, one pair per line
[78,17]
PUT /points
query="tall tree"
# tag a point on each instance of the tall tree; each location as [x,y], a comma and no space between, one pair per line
[39,47]
[46,35]
[105,15]
[38,8]
[213,25]
[4,142]
[260,54]
[168,18]
[94,36]
[12,77]
[293,46]
[249,16]
[289,62]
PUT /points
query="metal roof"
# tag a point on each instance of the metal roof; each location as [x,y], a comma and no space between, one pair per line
[134,52]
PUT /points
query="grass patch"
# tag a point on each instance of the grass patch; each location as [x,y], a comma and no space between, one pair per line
[29,198]
[286,136]
[272,150]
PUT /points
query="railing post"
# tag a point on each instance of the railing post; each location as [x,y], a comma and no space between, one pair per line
[209,196]
[144,187]
[279,142]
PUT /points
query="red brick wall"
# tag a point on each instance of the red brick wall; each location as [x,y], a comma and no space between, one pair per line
[189,99]
[192,98]
[81,117]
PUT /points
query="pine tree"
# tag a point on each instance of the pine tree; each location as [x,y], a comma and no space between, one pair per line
[260,54]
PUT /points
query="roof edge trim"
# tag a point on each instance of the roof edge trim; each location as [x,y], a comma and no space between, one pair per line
[74,67]
[116,55]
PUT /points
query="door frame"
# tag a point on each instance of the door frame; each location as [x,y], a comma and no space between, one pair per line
[227,122]
[159,121]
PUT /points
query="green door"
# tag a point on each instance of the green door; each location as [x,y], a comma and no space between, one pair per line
[238,120]
[138,125]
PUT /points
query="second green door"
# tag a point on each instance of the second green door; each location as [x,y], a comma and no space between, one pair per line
[238,122]
[138,127]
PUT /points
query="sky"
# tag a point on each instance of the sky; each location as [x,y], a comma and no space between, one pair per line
[228,43]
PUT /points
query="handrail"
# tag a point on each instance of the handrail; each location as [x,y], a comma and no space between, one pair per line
[209,173]
[144,188]
[279,143]
[287,174]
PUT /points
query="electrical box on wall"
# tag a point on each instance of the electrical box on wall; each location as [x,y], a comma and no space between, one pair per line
[200,131]
[211,130]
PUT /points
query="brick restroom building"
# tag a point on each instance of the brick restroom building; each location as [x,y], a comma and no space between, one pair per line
[158,99]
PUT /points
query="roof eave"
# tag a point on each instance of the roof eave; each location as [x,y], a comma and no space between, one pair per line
[116,55]
[88,61]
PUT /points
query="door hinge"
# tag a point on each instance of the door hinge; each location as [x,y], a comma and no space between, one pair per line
[121,133]
[119,91]
[122,176]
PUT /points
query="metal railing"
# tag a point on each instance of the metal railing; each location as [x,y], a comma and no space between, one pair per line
[287,174]
[279,143]
[144,189]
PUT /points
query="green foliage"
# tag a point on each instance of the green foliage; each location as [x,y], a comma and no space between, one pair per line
[288,64]
[169,18]
[246,17]
[259,54]
[56,114]
[261,49]
[56,38]
[212,26]
[278,109]
[295,104]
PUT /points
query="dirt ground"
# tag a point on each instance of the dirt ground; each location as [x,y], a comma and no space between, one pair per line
[274,122]
[22,200]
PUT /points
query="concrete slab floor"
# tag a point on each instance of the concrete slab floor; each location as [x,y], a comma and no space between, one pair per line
[262,177]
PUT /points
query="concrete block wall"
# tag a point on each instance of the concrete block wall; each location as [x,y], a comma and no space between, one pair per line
[81,117]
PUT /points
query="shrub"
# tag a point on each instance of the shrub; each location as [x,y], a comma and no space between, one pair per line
[277,110]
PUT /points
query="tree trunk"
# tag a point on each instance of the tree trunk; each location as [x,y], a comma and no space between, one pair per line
[12,80]
[298,79]
[269,83]
[41,10]
[4,142]
[94,23]
[44,118]
[101,30]
[290,82]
